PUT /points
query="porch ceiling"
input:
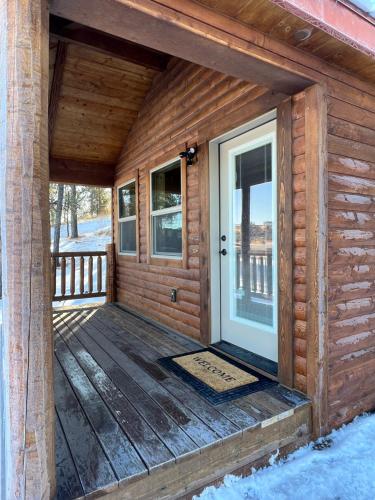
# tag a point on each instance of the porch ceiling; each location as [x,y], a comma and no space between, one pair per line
[269,18]
[97,97]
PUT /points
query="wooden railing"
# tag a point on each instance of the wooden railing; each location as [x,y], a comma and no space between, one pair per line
[81,275]
[258,269]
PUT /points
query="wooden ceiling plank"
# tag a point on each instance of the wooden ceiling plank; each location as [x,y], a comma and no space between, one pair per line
[56,88]
[76,172]
[108,44]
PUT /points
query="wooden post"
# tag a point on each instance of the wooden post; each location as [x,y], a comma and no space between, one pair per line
[285,243]
[63,275]
[26,388]
[110,273]
[82,274]
[317,255]
[72,275]
[99,273]
[90,271]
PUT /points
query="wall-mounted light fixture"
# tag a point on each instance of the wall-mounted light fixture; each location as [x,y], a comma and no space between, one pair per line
[189,154]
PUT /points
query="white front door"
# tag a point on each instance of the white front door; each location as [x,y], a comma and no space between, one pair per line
[248,232]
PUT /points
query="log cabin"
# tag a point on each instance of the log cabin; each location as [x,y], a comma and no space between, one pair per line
[239,142]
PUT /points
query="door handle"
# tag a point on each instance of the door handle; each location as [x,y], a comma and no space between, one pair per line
[223,251]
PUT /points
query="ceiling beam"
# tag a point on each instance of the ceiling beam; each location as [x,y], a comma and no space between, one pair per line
[69,31]
[148,23]
[54,95]
[78,172]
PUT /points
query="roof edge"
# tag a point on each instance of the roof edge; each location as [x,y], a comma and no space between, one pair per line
[337,19]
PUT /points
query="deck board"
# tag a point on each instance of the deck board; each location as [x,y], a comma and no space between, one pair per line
[69,485]
[198,431]
[130,348]
[94,470]
[122,419]
[124,459]
[151,449]
[133,343]
[169,433]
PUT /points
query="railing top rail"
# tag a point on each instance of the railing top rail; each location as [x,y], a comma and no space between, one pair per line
[79,254]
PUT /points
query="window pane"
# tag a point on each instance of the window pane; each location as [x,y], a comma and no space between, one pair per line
[166,187]
[252,202]
[128,236]
[167,234]
[127,200]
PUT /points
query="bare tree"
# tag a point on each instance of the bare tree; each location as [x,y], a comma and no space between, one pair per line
[73,212]
[57,228]
[102,202]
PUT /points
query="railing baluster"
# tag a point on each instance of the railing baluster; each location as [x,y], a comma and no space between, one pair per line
[72,275]
[82,274]
[265,275]
[99,273]
[63,276]
[109,277]
[259,274]
[254,272]
[269,274]
[90,274]
[53,276]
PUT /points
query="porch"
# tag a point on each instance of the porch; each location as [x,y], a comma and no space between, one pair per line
[125,423]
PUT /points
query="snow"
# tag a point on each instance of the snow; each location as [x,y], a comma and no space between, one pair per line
[94,234]
[343,471]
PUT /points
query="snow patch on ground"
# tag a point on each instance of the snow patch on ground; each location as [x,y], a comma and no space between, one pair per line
[344,471]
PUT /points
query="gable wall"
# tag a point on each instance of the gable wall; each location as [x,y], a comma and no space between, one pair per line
[187,104]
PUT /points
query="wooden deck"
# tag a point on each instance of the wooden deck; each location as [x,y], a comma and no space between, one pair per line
[126,427]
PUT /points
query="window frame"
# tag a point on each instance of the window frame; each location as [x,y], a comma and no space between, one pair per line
[181,208]
[128,218]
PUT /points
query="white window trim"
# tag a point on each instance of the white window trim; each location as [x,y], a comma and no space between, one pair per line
[163,211]
[125,219]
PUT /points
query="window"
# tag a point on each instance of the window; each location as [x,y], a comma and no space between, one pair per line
[166,211]
[127,218]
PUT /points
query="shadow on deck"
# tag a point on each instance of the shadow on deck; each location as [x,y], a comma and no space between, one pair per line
[127,427]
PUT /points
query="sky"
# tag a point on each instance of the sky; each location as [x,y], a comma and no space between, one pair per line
[366,5]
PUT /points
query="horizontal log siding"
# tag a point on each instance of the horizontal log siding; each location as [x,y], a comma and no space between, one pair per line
[299,228]
[351,229]
[191,104]
[182,99]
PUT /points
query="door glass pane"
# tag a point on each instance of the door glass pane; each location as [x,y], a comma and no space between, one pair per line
[128,236]
[126,200]
[166,187]
[252,220]
[167,234]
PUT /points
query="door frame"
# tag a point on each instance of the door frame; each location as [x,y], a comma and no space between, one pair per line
[283,115]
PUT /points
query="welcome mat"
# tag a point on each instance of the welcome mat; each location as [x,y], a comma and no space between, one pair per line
[215,376]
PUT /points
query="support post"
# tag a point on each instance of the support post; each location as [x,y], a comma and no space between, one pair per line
[110,273]
[27,465]
[317,255]
[285,243]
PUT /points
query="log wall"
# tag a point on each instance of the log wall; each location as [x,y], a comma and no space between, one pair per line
[351,265]
[187,104]
[191,104]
